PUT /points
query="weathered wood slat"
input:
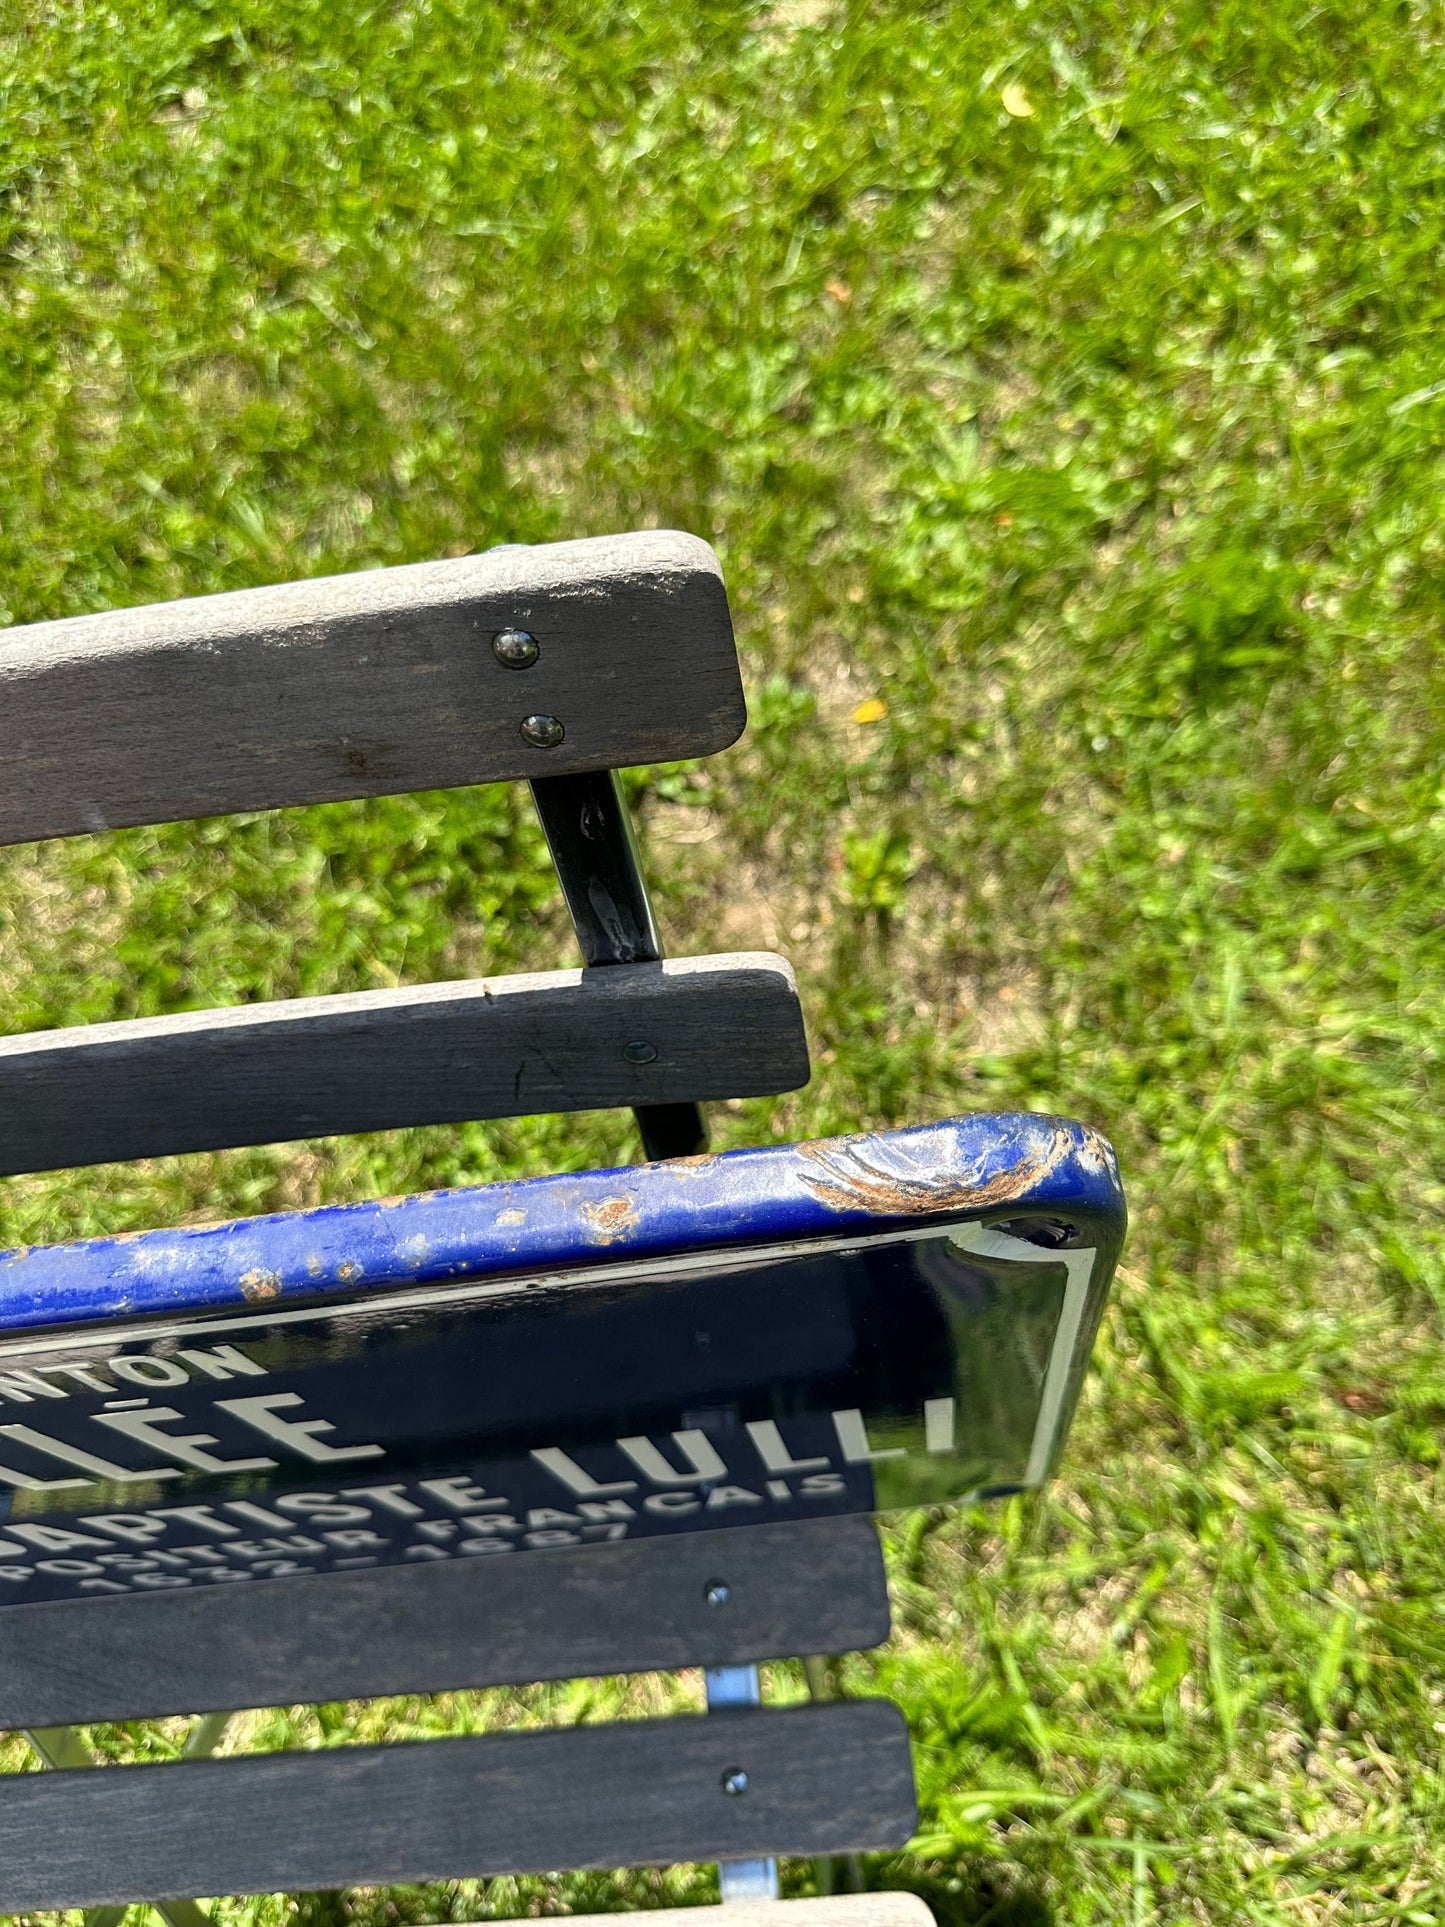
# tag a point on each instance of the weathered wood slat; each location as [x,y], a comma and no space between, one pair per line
[727,1026]
[816,1586]
[820,1779]
[367,685]
[831,1910]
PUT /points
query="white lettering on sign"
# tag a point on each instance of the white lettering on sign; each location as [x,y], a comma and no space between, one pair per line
[26,1482]
[691,1476]
[257,1515]
[388,1497]
[222,1361]
[150,1371]
[462,1495]
[938,1424]
[674,1502]
[87,1461]
[135,1528]
[83,1375]
[189,1448]
[687,1459]
[488,1527]
[54,1538]
[575,1479]
[321,1509]
[696,1447]
[853,1439]
[201,1516]
[298,1435]
[23,1385]
[723,1496]
[546,1515]
[774,1454]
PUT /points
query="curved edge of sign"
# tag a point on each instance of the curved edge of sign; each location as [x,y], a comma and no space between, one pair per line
[989,1167]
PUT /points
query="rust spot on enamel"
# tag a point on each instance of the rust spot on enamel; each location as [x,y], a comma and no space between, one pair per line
[610,1219]
[849,1180]
[259,1285]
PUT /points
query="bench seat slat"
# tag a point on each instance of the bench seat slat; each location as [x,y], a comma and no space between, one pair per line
[814,1586]
[820,1779]
[726,1026]
[368,685]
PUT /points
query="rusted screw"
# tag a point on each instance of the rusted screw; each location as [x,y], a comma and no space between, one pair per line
[542,732]
[717,1592]
[515,648]
[639,1051]
[735,1781]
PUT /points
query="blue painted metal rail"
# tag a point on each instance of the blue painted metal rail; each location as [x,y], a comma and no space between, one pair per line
[965,1167]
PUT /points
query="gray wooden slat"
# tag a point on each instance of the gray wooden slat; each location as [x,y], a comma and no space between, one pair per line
[727,1026]
[366,685]
[824,1779]
[815,1586]
[830,1910]
[63,1747]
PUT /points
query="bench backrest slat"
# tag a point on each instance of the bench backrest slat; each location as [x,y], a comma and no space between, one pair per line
[641,1605]
[564,1040]
[368,685]
[819,1779]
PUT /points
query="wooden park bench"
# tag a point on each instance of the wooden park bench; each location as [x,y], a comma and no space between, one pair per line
[309,1457]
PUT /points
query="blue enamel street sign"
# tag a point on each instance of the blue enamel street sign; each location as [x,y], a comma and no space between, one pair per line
[852,1325]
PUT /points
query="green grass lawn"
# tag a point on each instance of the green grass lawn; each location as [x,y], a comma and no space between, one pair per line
[1064,388]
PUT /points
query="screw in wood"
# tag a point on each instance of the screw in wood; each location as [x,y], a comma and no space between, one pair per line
[542,732]
[515,648]
[639,1051]
[717,1592]
[735,1781]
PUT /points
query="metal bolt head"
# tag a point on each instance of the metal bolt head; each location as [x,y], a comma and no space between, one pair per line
[515,648]
[542,732]
[639,1051]
[735,1781]
[717,1592]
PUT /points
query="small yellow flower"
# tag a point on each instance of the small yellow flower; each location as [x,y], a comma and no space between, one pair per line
[871,711]
[1016,102]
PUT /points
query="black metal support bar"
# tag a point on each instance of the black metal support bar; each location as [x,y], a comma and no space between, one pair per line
[589,832]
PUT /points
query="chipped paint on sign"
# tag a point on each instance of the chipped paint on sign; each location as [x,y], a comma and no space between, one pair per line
[857,1174]
[611,1219]
[1013,1162]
